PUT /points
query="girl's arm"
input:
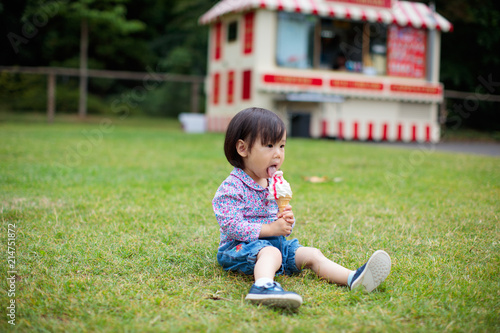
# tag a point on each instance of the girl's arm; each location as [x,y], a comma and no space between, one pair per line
[228,207]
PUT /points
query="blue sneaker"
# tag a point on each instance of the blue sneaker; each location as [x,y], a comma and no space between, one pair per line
[373,272]
[273,295]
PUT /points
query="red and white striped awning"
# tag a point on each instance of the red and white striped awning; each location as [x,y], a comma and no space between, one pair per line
[402,13]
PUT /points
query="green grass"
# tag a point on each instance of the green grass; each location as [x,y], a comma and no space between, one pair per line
[469,135]
[115,232]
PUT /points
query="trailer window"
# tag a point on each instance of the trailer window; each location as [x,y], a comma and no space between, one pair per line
[232,31]
[295,40]
[353,46]
[306,41]
[339,47]
[378,48]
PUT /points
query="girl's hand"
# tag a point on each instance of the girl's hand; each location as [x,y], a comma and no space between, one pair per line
[287,215]
[281,227]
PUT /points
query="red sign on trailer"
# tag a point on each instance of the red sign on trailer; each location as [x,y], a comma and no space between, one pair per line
[411,89]
[406,52]
[356,84]
[295,80]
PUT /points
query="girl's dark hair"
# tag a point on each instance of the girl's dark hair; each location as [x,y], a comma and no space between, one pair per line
[248,125]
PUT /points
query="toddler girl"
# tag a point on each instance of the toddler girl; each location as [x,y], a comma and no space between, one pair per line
[252,231]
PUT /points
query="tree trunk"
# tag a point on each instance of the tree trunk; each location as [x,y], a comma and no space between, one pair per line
[84,45]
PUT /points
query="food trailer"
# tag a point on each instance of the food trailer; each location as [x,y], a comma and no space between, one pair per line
[345,69]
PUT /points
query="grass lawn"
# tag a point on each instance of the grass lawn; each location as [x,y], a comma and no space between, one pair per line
[114,232]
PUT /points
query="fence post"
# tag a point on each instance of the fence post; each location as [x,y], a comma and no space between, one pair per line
[195,87]
[51,97]
[84,45]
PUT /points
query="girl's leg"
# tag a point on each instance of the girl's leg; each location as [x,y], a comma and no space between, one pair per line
[309,257]
[265,291]
[268,263]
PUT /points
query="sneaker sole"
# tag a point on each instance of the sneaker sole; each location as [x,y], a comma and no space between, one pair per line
[280,301]
[376,271]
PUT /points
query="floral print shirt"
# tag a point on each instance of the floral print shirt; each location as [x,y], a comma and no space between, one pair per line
[241,207]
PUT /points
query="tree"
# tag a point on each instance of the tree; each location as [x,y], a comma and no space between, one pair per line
[88,12]
[470,60]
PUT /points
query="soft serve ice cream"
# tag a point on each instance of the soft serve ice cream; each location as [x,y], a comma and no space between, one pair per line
[279,190]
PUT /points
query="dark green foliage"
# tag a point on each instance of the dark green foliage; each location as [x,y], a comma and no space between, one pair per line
[131,35]
[164,36]
[469,57]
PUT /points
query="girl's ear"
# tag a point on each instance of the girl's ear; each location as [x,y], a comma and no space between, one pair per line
[242,148]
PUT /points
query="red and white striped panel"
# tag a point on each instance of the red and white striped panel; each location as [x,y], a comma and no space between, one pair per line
[403,13]
[218,124]
[379,131]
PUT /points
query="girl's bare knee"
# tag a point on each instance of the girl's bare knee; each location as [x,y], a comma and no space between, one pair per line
[310,256]
[316,256]
[269,251]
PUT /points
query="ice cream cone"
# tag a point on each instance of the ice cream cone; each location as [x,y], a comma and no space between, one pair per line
[283,202]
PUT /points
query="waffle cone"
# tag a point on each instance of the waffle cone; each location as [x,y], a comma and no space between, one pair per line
[283,202]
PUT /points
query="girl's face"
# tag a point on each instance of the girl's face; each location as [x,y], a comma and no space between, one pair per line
[263,160]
